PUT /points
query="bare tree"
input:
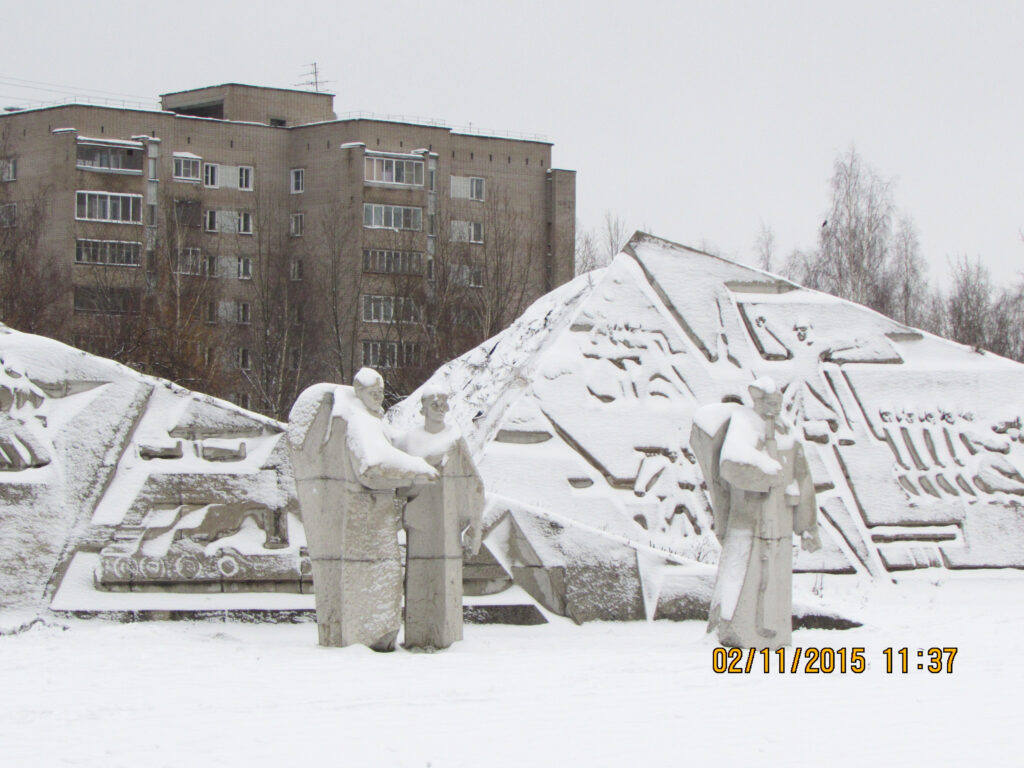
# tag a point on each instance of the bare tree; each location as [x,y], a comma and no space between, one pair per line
[32,293]
[764,248]
[969,303]
[908,285]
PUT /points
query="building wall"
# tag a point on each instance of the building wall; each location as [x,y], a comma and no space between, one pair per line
[524,198]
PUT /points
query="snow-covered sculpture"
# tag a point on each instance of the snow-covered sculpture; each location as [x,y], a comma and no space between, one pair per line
[762,493]
[435,517]
[346,473]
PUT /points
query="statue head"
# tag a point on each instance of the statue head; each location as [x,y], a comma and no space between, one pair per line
[767,397]
[369,388]
[434,407]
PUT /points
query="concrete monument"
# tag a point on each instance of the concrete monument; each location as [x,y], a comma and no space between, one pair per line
[435,517]
[346,473]
[762,493]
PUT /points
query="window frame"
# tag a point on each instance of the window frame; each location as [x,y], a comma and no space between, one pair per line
[297,181]
[134,206]
[211,175]
[245,268]
[385,215]
[296,224]
[104,250]
[246,172]
[177,171]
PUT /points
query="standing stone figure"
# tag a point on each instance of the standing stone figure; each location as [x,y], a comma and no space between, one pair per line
[435,518]
[346,473]
[761,492]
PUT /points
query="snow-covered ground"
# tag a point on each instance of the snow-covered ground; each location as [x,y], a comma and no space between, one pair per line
[94,693]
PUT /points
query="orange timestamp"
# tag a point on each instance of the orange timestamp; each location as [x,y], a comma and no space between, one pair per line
[827,660]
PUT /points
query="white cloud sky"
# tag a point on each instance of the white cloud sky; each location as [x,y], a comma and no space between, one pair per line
[697,121]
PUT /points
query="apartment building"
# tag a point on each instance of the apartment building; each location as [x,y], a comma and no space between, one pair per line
[249,242]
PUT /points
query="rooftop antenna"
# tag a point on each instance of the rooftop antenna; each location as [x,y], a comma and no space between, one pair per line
[313,80]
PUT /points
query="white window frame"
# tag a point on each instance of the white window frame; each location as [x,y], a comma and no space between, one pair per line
[244,223]
[391,262]
[193,164]
[243,313]
[468,275]
[477,188]
[296,224]
[8,169]
[8,215]
[211,175]
[245,178]
[295,270]
[297,183]
[384,309]
[476,232]
[244,268]
[379,216]
[393,171]
[210,221]
[101,205]
[114,253]
[190,262]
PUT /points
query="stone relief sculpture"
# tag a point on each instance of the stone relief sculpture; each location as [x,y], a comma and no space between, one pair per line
[346,473]
[761,492]
[435,517]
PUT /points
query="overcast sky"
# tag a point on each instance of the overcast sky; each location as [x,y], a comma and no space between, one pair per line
[696,121]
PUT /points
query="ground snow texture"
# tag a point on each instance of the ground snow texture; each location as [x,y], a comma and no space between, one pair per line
[602,694]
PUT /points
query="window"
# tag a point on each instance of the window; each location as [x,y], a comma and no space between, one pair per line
[386,309]
[186,168]
[295,272]
[244,360]
[296,224]
[243,313]
[298,180]
[386,170]
[210,222]
[468,187]
[210,265]
[211,311]
[151,214]
[244,268]
[393,262]
[101,157]
[390,354]
[104,206]
[476,188]
[430,268]
[117,301]
[188,213]
[297,315]
[466,274]
[244,223]
[241,399]
[245,177]
[210,171]
[111,252]
[467,232]
[392,217]
[8,215]
[433,180]
[189,261]
[8,169]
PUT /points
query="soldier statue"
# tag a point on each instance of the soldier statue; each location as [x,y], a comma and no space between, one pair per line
[761,494]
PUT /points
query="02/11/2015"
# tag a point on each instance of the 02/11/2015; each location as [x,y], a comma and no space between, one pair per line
[827,660]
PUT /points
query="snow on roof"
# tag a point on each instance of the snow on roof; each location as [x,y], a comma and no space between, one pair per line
[98,447]
[189,155]
[582,410]
[110,142]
